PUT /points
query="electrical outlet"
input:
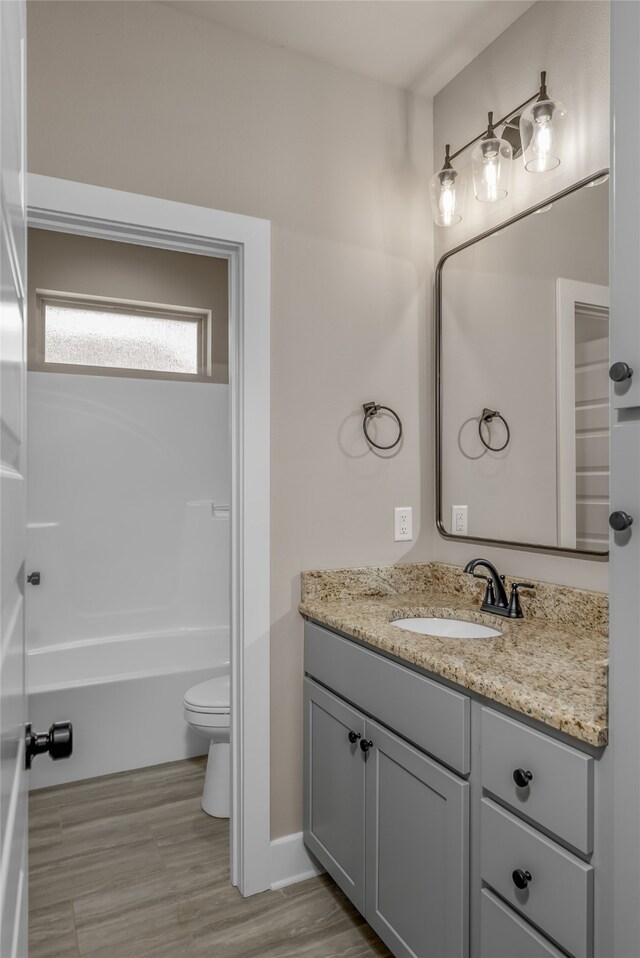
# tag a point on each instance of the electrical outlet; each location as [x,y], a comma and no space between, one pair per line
[459,520]
[402,523]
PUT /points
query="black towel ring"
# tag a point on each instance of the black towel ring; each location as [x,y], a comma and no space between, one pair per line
[488,415]
[371,409]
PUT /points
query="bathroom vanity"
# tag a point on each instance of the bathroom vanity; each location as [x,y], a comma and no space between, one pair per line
[450,784]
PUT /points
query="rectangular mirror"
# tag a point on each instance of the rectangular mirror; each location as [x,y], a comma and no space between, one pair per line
[522,319]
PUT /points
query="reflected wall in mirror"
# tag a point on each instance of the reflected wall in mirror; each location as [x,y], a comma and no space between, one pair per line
[522,318]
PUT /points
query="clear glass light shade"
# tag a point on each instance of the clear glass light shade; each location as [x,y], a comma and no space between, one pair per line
[446,197]
[541,131]
[491,165]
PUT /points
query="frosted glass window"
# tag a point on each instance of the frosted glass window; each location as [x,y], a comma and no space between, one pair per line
[116,339]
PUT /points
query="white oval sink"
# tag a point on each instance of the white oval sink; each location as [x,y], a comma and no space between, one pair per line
[447,628]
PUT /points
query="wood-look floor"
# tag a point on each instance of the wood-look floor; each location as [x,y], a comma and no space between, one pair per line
[129,866]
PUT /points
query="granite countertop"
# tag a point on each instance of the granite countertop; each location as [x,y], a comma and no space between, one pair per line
[551,665]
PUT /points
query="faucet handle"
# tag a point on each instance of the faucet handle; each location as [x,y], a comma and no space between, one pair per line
[489,595]
[515,609]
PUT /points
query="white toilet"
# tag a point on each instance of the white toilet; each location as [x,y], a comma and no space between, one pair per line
[206,709]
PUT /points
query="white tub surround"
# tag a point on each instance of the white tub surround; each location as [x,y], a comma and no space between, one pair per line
[123,474]
[124,698]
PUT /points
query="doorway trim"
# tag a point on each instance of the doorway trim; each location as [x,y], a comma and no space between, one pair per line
[244,241]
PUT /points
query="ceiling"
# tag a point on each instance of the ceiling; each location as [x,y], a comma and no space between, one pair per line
[418,45]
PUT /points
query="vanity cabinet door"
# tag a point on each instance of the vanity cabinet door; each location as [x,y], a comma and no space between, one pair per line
[416,850]
[334,788]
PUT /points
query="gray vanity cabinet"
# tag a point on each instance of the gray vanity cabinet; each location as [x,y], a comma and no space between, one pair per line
[503,934]
[416,850]
[334,785]
[389,823]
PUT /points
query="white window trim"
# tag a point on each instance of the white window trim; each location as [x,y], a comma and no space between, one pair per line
[45,297]
[66,206]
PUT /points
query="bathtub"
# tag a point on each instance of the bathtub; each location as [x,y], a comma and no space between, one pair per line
[124,697]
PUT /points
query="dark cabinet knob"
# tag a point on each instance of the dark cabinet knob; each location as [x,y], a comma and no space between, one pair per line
[353,737]
[619,521]
[521,878]
[620,372]
[366,744]
[33,578]
[522,777]
[58,742]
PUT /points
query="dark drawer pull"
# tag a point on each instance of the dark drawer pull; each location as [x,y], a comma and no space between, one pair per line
[619,521]
[620,372]
[353,737]
[521,879]
[366,744]
[522,777]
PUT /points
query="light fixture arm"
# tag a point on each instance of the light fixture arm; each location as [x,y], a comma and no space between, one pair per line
[543,95]
[540,94]
[491,126]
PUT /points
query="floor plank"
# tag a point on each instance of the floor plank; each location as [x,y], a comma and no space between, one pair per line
[129,866]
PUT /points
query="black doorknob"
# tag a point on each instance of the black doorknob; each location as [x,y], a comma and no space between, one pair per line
[353,737]
[522,777]
[620,372]
[58,742]
[33,578]
[521,878]
[619,521]
[366,744]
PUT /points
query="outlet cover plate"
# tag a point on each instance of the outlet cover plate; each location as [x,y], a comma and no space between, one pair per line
[402,523]
[459,520]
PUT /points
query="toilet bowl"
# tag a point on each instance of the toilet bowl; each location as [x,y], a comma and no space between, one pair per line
[206,709]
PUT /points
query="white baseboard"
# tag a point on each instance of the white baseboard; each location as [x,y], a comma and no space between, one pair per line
[291,862]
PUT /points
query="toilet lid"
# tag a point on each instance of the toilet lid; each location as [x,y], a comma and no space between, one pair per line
[209,696]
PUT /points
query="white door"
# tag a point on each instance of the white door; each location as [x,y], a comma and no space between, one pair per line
[13,794]
[623,875]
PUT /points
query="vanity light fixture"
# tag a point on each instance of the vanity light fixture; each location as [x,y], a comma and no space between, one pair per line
[446,194]
[532,129]
[541,130]
[491,165]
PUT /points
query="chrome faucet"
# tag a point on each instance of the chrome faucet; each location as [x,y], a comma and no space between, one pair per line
[495,598]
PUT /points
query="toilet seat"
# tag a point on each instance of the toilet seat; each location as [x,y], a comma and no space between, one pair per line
[210,697]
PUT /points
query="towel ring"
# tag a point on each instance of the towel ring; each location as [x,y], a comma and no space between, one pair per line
[371,409]
[488,415]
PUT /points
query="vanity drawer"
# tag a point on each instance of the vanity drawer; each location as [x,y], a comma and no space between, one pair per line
[559,896]
[504,934]
[433,717]
[560,794]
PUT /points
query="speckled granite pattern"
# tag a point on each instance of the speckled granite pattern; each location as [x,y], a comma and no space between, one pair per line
[551,665]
